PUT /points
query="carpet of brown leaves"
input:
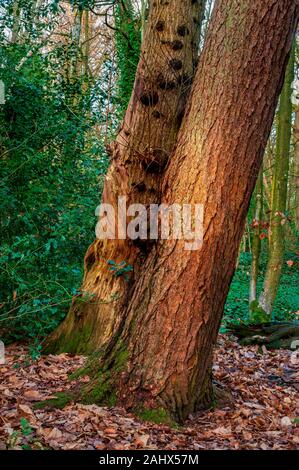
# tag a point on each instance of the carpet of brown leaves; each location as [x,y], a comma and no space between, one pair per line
[263,413]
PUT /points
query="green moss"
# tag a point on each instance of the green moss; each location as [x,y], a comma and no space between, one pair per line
[120,359]
[98,392]
[60,401]
[112,399]
[101,389]
[78,341]
[91,368]
[156,415]
[257,313]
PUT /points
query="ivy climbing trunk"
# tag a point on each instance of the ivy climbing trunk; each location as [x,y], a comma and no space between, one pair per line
[296,166]
[170,327]
[279,197]
[139,154]
[75,43]
[127,45]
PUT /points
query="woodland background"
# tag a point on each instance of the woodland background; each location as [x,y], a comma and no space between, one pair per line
[67,71]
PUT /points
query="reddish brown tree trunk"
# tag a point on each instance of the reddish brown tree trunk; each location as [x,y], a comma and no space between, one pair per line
[138,156]
[174,314]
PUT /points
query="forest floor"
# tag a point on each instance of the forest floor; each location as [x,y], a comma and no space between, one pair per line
[262,414]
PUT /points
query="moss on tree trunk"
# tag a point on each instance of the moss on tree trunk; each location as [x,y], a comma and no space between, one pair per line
[167,333]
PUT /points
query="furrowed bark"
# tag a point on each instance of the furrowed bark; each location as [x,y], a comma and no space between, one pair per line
[256,241]
[296,167]
[138,156]
[174,314]
[279,197]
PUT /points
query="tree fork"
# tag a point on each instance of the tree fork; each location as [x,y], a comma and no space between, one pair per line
[173,317]
[138,156]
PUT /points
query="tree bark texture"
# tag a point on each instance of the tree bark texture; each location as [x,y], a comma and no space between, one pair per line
[173,318]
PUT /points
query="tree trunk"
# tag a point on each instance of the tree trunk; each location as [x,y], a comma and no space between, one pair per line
[296,167]
[127,46]
[16,21]
[86,47]
[256,241]
[279,197]
[164,347]
[75,43]
[138,156]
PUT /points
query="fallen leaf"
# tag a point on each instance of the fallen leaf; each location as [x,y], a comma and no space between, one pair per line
[33,395]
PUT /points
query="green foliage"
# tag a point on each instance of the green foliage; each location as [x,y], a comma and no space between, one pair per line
[52,163]
[120,269]
[26,429]
[23,438]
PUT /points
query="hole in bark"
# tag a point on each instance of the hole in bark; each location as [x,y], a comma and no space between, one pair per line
[182,30]
[155,160]
[156,114]
[151,166]
[193,2]
[176,45]
[149,99]
[90,260]
[176,64]
[165,84]
[180,117]
[160,25]
[195,20]
[139,186]
[143,245]
[109,150]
